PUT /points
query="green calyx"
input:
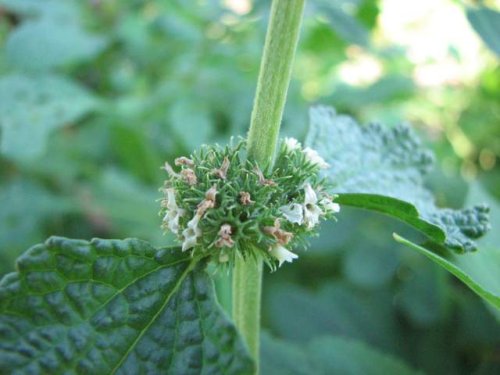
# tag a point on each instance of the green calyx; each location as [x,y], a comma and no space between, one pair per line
[222,205]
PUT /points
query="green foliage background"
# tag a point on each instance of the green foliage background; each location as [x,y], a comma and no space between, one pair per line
[96,95]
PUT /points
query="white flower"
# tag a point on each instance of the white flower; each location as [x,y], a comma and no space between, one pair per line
[292,144]
[174,212]
[282,254]
[329,206]
[293,213]
[223,258]
[308,212]
[314,158]
[191,233]
[311,209]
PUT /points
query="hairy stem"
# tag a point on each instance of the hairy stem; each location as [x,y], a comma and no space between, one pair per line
[274,78]
[247,285]
[272,86]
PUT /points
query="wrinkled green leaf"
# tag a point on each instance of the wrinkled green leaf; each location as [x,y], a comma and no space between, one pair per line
[479,271]
[327,355]
[383,170]
[110,306]
[486,22]
[32,106]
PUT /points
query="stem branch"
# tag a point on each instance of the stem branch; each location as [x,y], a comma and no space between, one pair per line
[272,86]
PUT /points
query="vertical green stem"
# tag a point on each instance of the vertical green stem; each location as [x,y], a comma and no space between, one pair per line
[272,86]
[247,286]
[274,78]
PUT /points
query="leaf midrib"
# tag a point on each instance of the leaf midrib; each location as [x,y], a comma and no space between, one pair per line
[118,292]
[188,269]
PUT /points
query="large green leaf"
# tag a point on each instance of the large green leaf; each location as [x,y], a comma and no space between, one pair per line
[110,306]
[327,355]
[32,106]
[479,271]
[486,22]
[383,170]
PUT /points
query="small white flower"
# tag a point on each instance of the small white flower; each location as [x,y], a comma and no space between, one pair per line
[191,233]
[223,258]
[329,206]
[311,209]
[282,254]
[225,239]
[184,161]
[293,212]
[174,212]
[314,158]
[292,144]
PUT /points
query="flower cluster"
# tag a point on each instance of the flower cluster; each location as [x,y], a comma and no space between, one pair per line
[220,204]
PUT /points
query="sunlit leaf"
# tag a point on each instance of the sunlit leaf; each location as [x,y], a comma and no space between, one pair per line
[486,22]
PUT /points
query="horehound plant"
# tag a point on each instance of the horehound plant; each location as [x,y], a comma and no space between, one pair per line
[125,307]
[223,206]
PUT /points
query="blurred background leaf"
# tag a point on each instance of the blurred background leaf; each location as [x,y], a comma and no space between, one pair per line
[486,22]
[32,106]
[328,355]
[97,94]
